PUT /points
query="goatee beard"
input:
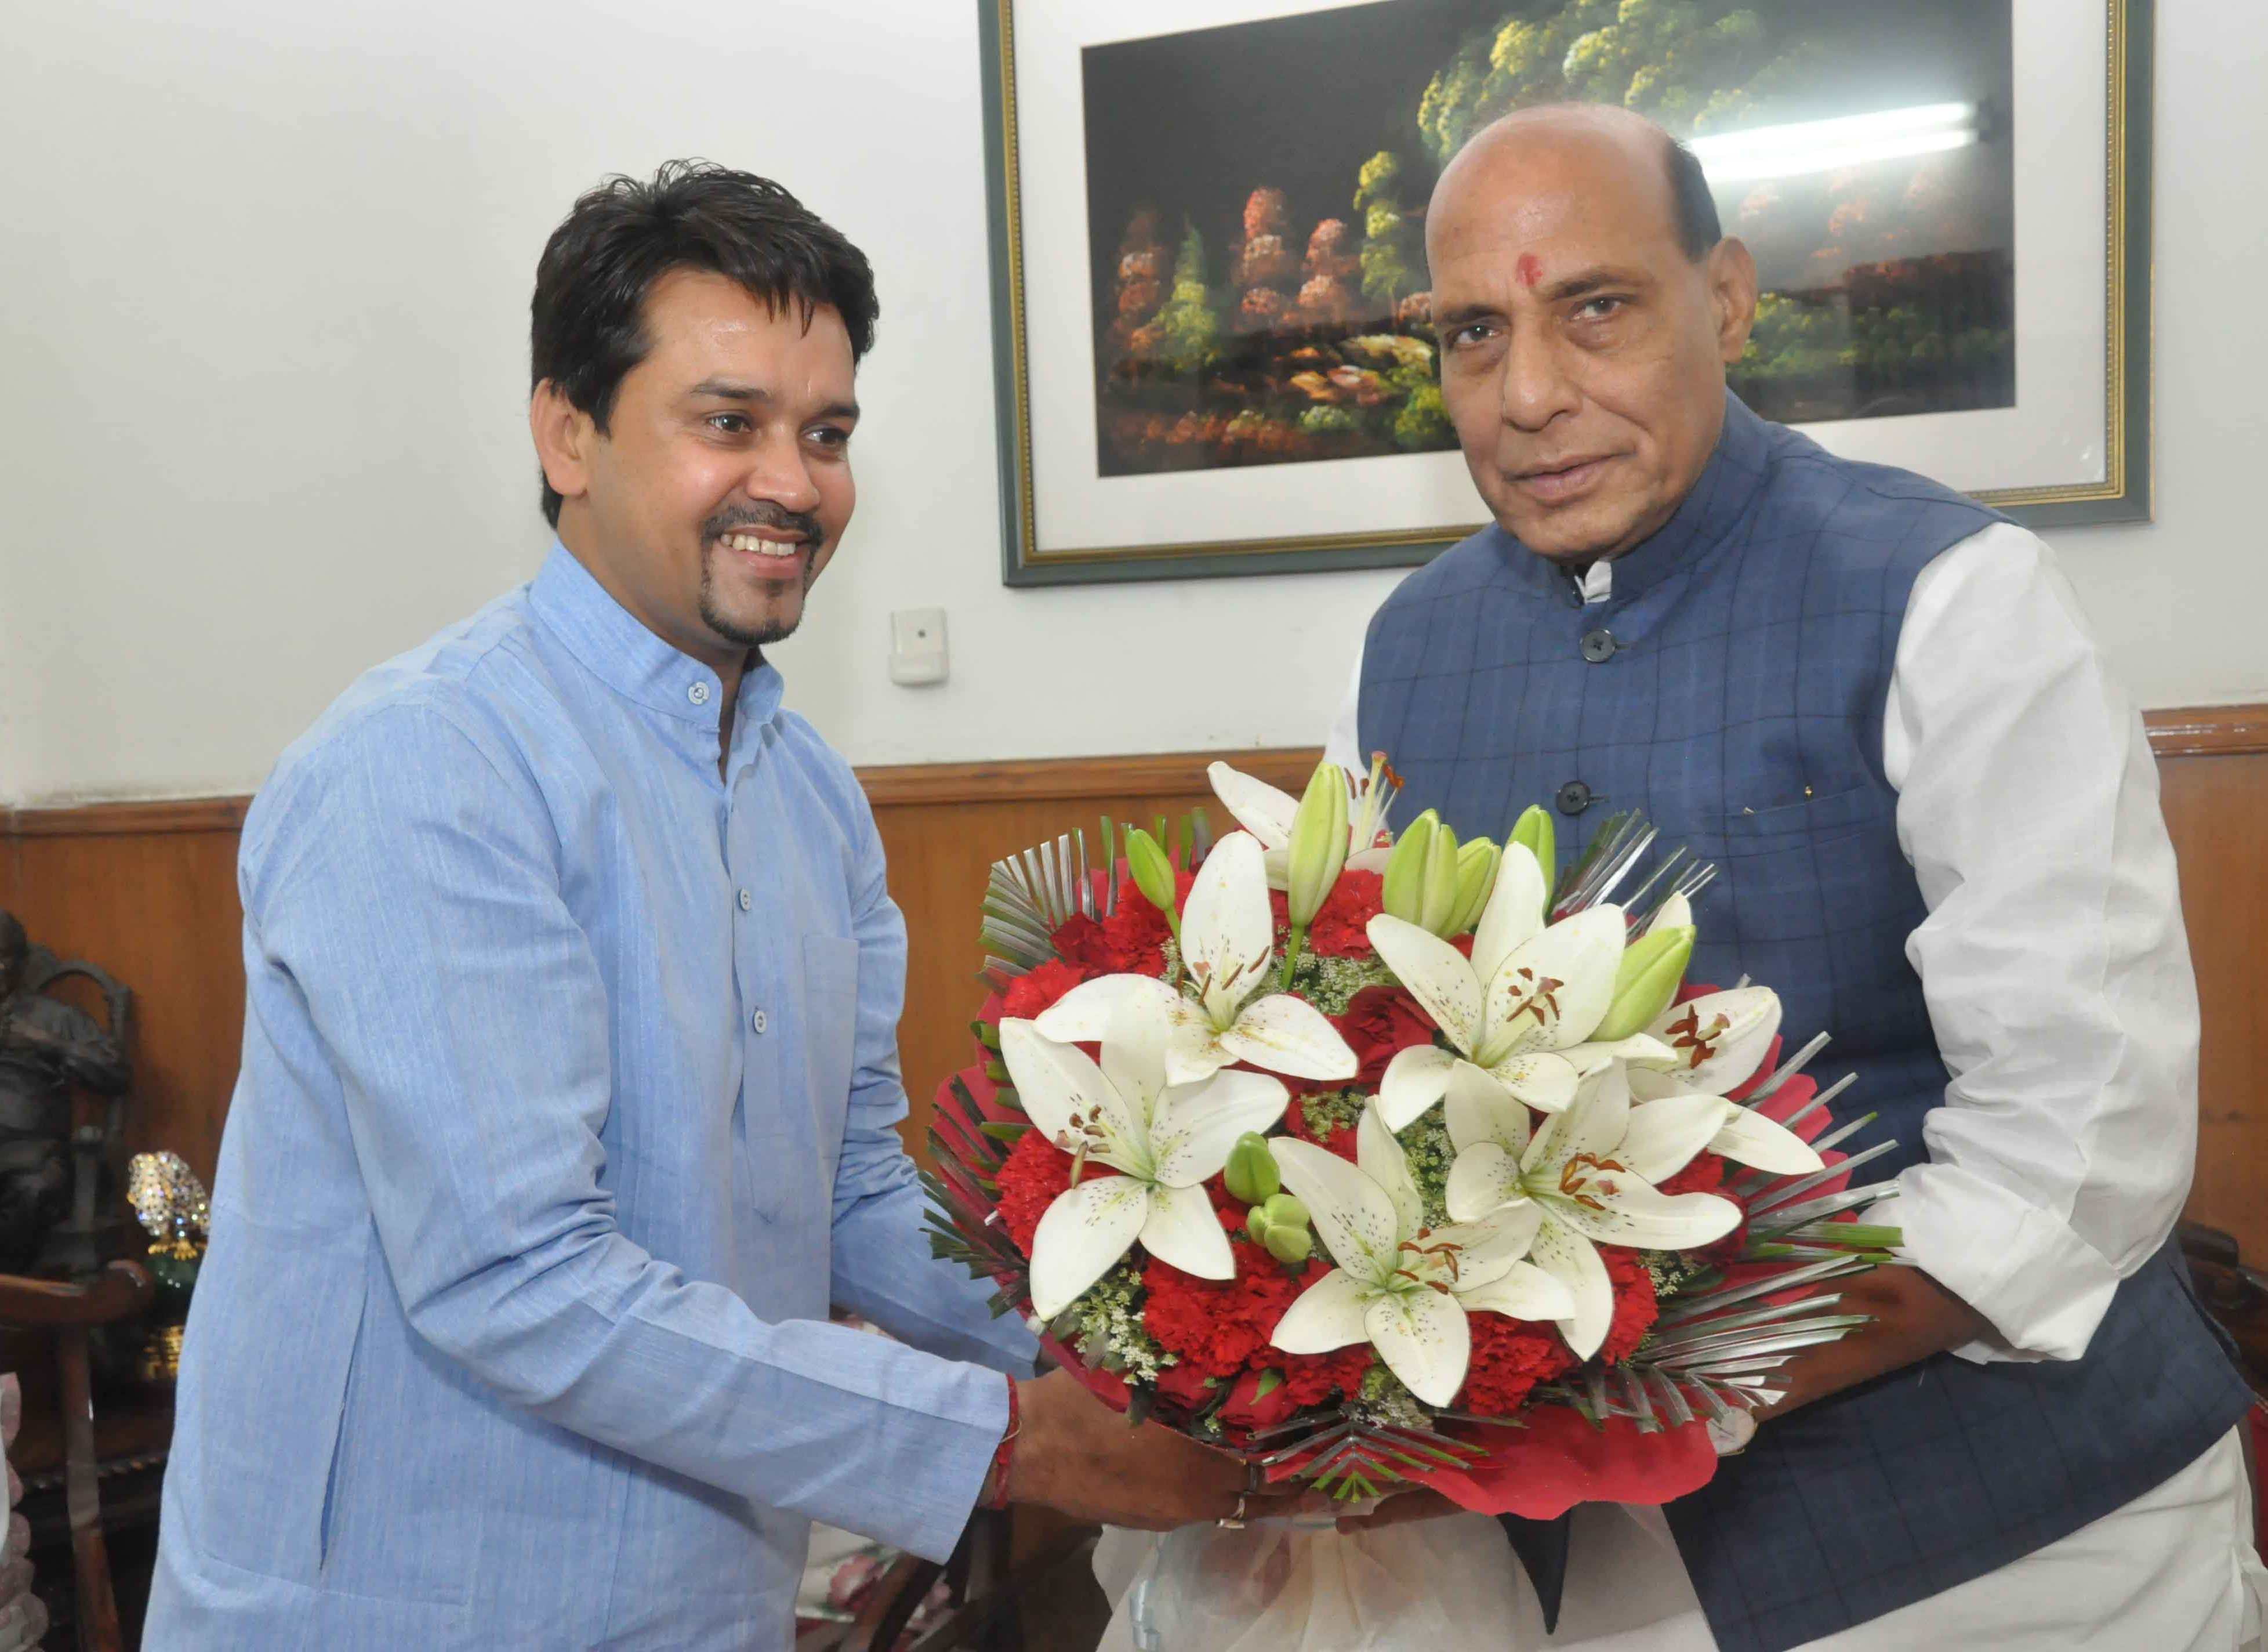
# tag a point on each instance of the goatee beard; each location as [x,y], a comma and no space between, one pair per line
[731,629]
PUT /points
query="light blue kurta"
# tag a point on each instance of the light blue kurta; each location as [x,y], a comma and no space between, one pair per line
[567,1109]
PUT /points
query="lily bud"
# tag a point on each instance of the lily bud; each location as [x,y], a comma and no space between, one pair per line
[1442,870]
[1290,1246]
[1152,872]
[1476,865]
[1250,1174]
[1646,984]
[1319,843]
[1535,832]
[1403,895]
[1676,912]
[1280,1225]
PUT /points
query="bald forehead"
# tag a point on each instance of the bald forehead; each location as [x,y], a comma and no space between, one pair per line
[1553,160]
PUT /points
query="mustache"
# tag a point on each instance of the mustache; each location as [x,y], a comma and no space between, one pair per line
[778,518]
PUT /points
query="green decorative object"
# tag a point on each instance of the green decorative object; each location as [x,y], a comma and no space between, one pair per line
[174,1206]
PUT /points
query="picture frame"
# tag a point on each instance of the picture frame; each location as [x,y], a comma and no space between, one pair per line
[2066,443]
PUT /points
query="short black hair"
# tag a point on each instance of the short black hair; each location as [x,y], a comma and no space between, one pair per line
[586,319]
[1698,230]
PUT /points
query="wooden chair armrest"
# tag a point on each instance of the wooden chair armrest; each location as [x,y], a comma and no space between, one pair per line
[119,1292]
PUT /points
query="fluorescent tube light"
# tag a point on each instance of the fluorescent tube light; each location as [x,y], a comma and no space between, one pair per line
[1851,140]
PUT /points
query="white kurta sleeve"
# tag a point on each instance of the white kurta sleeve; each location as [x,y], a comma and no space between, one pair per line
[1344,746]
[2053,959]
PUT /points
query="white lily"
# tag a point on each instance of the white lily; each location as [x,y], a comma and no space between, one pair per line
[1164,1142]
[1400,1285]
[1519,1009]
[1720,1040]
[1587,1177]
[1267,813]
[1228,932]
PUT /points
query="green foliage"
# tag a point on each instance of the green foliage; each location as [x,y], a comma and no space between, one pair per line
[1691,64]
[1879,349]
[1385,271]
[1105,1325]
[1326,421]
[1376,182]
[1328,1111]
[1423,421]
[1384,1400]
[1446,111]
[1393,259]
[1427,1145]
[1187,321]
[1330,984]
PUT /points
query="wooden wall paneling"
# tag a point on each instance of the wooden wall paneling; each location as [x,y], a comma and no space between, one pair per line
[149,892]
[157,909]
[2217,813]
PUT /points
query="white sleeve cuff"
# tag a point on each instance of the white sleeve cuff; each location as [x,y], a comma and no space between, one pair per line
[2042,1287]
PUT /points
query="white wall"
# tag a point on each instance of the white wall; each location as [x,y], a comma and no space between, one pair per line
[263,282]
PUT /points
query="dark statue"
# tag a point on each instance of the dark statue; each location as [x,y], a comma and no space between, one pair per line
[51,1173]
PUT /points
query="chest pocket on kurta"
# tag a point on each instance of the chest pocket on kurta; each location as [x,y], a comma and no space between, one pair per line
[1804,869]
[1816,900]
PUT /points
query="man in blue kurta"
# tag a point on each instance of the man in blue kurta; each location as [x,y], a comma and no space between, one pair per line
[1873,705]
[571,1084]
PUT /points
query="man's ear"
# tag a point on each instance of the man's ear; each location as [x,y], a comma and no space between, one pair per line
[1732,274]
[563,434]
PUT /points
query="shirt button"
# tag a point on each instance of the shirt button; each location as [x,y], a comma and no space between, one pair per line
[698,693]
[1598,646]
[748,900]
[759,1021]
[1574,798]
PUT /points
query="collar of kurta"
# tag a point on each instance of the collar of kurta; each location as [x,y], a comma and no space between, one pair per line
[622,653]
[1706,517]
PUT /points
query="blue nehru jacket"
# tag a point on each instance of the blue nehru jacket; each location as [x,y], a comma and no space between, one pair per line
[1733,689]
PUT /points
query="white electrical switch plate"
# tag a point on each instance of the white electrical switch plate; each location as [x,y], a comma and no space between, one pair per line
[917,646]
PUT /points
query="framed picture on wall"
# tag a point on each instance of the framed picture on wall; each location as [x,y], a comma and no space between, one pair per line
[1214,337]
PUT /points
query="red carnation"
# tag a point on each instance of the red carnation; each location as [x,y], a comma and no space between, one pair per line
[1232,1209]
[1379,1023]
[1131,941]
[1635,1308]
[1035,1172]
[1218,1325]
[1311,1378]
[1028,995]
[1510,1357]
[1341,926]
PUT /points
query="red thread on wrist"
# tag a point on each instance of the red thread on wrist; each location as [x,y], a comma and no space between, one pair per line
[996,1480]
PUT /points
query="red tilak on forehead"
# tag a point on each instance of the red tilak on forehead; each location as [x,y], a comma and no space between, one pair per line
[1530,267]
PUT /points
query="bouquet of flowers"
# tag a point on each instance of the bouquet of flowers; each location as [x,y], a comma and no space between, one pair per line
[1383,1158]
